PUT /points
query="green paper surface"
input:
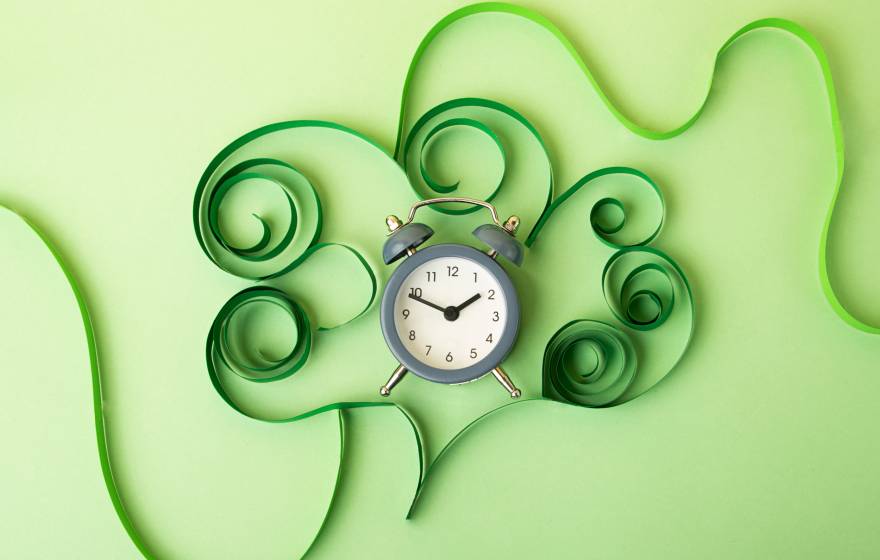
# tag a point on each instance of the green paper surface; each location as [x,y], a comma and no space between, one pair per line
[760,444]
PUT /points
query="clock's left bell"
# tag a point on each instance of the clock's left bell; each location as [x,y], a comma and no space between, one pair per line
[403,240]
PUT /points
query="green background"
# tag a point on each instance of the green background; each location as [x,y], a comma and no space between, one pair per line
[762,443]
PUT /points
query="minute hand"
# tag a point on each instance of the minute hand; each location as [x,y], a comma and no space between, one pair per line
[468,302]
[426,302]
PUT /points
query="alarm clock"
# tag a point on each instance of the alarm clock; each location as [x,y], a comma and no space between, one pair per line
[450,313]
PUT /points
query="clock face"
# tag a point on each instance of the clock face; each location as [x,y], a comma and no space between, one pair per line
[451,312]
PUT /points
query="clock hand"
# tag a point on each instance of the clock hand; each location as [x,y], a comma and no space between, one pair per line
[426,302]
[468,302]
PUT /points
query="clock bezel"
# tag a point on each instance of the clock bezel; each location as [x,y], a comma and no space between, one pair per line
[449,376]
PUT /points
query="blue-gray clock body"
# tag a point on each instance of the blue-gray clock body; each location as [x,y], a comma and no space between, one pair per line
[469,372]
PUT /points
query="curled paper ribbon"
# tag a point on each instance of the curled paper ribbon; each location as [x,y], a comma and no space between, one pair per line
[598,376]
[256,365]
[642,286]
[447,124]
[273,255]
[430,128]
[290,249]
[643,296]
[612,234]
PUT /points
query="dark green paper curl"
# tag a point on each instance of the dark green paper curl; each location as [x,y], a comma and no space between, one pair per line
[256,365]
[593,383]
[445,125]
[609,234]
[221,354]
[299,240]
[304,213]
[640,286]
[644,298]
[430,126]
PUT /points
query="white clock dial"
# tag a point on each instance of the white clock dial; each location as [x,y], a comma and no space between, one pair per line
[459,315]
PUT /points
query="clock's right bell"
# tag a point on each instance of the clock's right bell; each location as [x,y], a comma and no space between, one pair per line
[501,241]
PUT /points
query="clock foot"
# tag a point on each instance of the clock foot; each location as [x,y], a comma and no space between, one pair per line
[395,378]
[506,383]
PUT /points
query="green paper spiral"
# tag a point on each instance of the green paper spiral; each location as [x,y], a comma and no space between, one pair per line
[415,153]
[618,233]
[274,254]
[254,364]
[642,287]
[640,284]
[588,363]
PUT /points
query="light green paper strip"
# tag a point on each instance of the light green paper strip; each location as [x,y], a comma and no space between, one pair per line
[97,392]
[98,409]
[769,23]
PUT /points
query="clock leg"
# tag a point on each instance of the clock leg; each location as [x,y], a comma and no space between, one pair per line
[506,382]
[395,378]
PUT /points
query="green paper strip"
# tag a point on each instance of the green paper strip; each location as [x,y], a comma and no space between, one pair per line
[605,380]
[641,297]
[97,392]
[444,452]
[605,234]
[98,399]
[402,153]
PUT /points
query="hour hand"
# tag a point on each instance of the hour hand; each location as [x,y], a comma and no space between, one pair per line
[426,302]
[468,302]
